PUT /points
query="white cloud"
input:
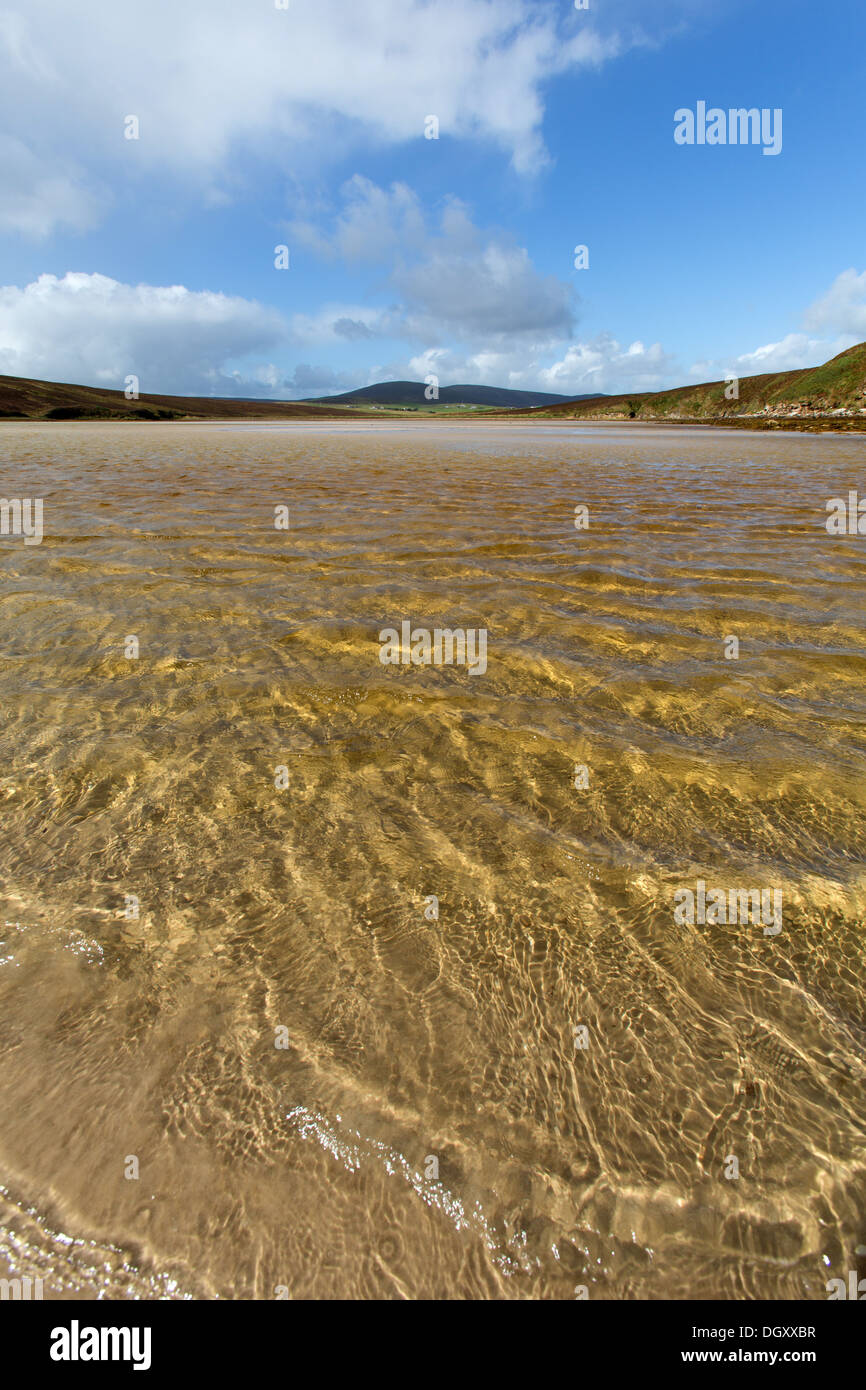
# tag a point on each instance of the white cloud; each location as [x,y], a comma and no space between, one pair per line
[606,365]
[492,293]
[96,331]
[371,226]
[840,312]
[843,308]
[793,351]
[340,324]
[453,281]
[602,365]
[309,380]
[211,78]
[34,197]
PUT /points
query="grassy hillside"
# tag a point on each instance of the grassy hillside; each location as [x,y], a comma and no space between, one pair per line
[833,394]
[21,398]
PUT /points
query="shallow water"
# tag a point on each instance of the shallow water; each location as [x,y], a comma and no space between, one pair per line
[311,1168]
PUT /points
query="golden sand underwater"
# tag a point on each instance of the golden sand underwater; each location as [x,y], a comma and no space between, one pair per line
[421,1021]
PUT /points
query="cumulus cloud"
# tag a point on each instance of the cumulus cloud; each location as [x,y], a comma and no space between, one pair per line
[451,279]
[842,309]
[793,351]
[338,324]
[372,224]
[493,292]
[306,380]
[604,364]
[836,321]
[91,329]
[601,365]
[34,196]
[309,380]
[211,78]
[94,330]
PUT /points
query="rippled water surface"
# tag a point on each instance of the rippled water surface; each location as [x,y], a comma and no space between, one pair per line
[417,1044]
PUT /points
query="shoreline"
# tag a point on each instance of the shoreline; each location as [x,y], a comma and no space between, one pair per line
[754,424]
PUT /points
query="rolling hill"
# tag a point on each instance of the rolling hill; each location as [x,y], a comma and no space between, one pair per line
[829,396]
[22,398]
[401,394]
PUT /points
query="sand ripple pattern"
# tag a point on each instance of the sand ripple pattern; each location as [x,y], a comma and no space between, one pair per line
[430,1130]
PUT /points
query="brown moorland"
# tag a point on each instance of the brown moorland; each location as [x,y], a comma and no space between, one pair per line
[22,398]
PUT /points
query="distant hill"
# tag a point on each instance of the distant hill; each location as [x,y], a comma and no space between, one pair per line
[830,396]
[410,393]
[22,398]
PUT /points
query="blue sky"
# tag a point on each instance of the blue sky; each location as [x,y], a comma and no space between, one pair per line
[304,127]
